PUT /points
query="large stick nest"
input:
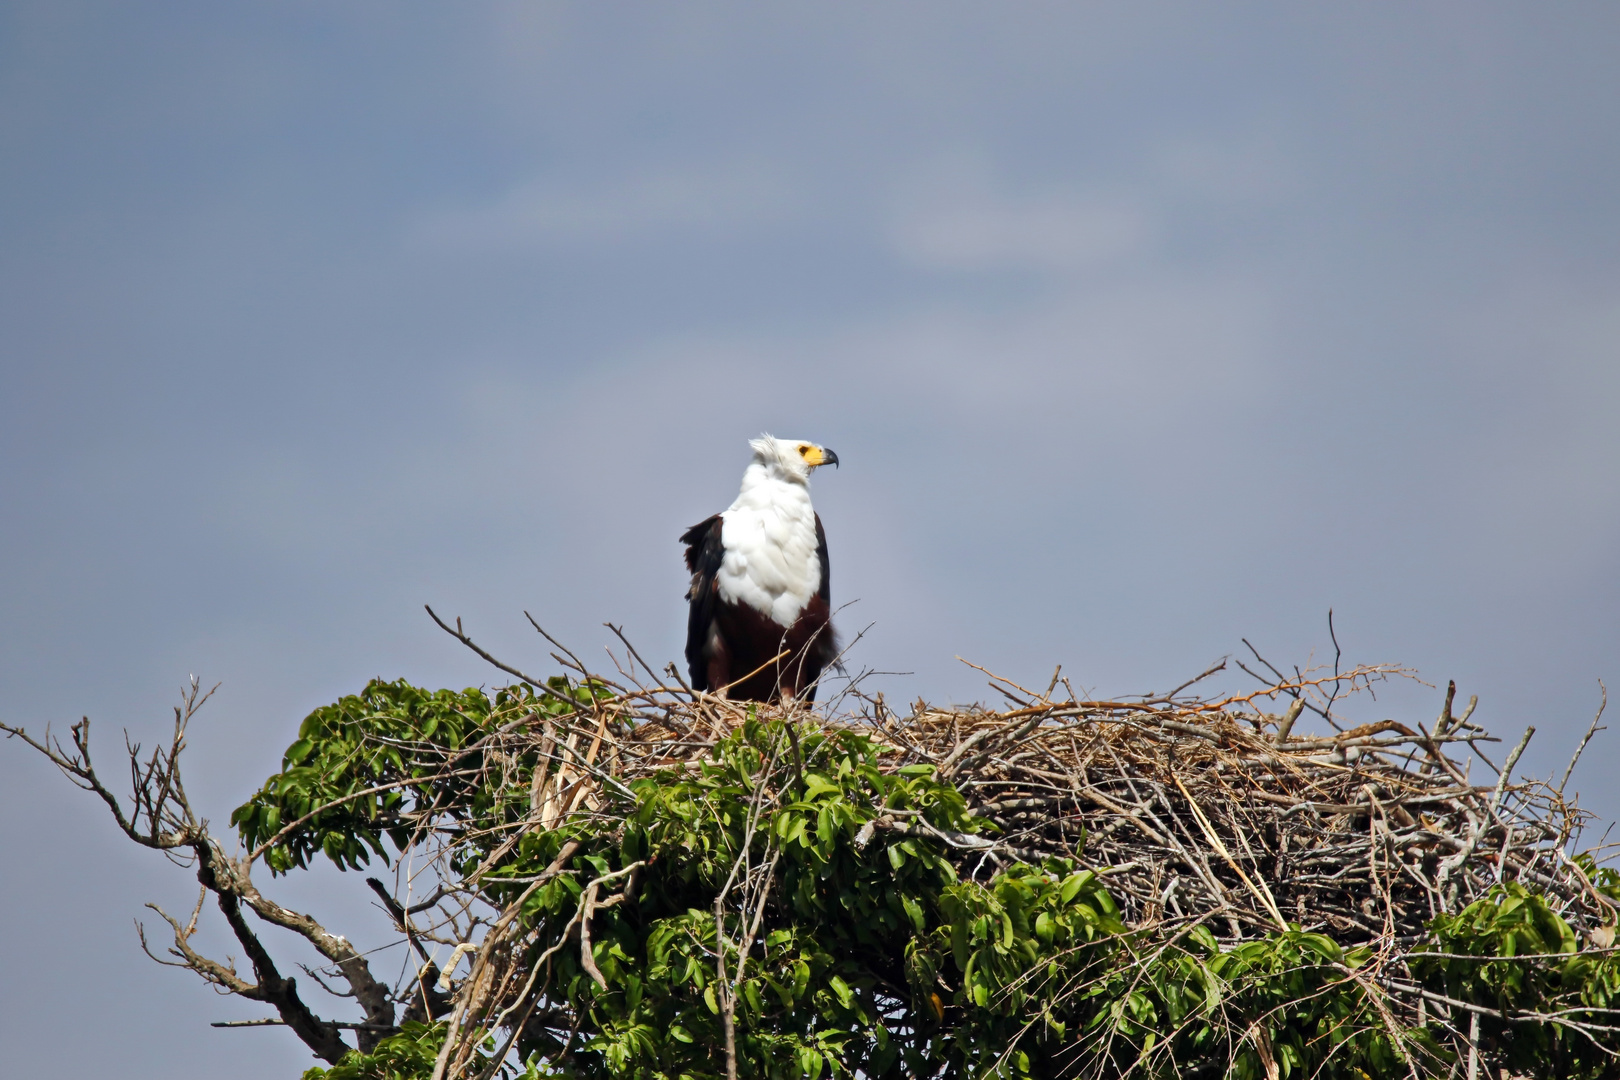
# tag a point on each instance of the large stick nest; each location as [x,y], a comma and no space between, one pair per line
[1210,809]
[1194,808]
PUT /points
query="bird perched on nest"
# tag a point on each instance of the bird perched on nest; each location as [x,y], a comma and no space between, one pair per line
[759,626]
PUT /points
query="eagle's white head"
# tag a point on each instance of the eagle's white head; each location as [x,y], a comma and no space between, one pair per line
[790,459]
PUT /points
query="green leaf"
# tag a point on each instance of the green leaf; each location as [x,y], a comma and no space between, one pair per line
[1071,887]
[816,785]
[914,912]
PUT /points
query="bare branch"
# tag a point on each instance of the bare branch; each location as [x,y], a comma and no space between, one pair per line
[1590,731]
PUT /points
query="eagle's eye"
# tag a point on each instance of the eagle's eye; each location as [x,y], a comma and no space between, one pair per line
[804,449]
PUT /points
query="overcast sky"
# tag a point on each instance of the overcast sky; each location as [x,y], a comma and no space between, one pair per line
[1138,329]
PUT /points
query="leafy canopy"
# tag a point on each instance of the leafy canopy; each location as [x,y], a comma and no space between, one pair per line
[877,953]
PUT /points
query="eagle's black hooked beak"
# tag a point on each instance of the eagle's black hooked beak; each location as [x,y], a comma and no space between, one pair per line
[828,457]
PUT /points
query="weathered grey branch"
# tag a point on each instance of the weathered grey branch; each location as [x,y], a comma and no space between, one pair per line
[161,817]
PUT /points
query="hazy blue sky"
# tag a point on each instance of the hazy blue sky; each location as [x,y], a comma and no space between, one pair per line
[1138,329]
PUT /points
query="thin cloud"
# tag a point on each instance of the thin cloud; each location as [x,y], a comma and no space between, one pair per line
[981,232]
[715,200]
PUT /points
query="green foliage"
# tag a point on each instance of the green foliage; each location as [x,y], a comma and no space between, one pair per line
[1511,952]
[1296,998]
[386,737]
[875,956]
[405,1056]
[821,994]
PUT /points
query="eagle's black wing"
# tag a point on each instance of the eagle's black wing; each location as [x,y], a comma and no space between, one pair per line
[821,553]
[825,647]
[704,554]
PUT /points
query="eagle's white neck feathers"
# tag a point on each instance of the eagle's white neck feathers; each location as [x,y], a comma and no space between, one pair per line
[769,535]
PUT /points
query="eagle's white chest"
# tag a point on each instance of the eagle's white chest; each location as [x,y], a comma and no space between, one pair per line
[769,535]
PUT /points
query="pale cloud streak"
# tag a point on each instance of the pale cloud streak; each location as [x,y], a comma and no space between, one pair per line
[711,200]
[1051,233]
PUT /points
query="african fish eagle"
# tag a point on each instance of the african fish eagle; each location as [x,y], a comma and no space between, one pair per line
[759,626]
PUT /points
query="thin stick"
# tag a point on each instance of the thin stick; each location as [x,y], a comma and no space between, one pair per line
[1590,731]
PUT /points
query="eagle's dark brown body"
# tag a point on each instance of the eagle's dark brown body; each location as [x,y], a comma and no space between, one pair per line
[736,649]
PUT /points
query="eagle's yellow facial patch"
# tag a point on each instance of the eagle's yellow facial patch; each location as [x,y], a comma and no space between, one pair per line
[813,455]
